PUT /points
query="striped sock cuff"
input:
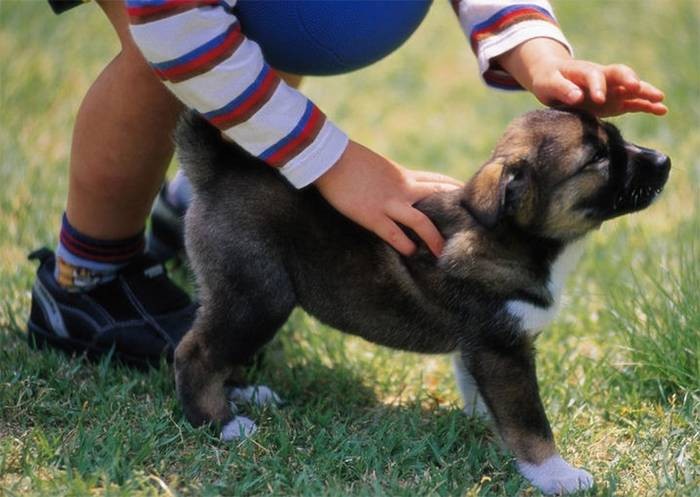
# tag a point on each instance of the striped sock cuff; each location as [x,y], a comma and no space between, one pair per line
[84,251]
[83,262]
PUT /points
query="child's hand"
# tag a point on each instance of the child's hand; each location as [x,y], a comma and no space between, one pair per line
[377,194]
[545,67]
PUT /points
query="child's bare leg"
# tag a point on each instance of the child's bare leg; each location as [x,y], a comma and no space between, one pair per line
[121,148]
[121,142]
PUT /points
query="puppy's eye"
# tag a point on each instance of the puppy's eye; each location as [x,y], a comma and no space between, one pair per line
[596,163]
[599,156]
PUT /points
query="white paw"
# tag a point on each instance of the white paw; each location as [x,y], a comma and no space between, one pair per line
[260,395]
[556,476]
[238,427]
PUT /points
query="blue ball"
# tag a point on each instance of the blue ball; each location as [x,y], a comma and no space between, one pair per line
[322,37]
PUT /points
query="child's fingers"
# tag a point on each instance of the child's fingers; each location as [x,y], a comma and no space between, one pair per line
[650,92]
[643,105]
[440,179]
[418,190]
[558,89]
[644,90]
[389,231]
[420,223]
[588,76]
[622,75]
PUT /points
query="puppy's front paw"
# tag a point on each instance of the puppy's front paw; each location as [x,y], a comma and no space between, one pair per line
[260,395]
[238,427]
[556,476]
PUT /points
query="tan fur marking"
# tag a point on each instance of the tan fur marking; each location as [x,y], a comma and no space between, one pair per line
[483,192]
[206,390]
[526,446]
[212,399]
[473,255]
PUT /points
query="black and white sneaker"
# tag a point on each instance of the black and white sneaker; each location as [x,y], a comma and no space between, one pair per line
[166,238]
[140,316]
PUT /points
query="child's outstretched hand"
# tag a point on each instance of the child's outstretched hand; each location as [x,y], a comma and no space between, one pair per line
[376,194]
[546,68]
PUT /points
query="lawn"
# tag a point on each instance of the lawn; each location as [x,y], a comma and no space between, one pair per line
[619,369]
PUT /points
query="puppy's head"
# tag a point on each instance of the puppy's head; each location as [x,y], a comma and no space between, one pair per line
[559,174]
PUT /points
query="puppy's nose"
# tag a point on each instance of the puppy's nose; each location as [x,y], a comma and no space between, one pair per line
[658,161]
[661,162]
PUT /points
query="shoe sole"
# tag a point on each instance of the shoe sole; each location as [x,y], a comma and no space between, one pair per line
[40,338]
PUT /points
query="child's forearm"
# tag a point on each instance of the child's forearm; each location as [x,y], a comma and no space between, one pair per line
[199,51]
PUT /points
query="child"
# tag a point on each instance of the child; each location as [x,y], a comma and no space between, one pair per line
[101,291]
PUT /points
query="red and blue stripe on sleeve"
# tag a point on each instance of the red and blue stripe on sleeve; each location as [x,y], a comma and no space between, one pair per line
[201,59]
[245,105]
[505,18]
[198,48]
[144,11]
[298,139]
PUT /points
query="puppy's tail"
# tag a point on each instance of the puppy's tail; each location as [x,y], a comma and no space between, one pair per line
[201,151]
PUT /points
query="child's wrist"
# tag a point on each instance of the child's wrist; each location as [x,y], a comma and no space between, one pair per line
[524,61]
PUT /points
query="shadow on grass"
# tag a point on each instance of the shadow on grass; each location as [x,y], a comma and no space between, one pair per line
[79,424]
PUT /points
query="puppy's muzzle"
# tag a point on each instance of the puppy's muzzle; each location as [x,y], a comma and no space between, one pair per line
[647,173]
[653,164]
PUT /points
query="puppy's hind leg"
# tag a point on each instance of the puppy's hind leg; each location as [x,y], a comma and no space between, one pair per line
[234,321]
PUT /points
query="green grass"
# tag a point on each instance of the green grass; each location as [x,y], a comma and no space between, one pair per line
[618,369]
[661,326]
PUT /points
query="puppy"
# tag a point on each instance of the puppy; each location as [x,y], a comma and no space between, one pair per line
[259,248]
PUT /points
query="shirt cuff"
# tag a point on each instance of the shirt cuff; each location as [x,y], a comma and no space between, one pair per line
[317,158]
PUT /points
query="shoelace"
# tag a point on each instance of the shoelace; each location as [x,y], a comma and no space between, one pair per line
[144,314]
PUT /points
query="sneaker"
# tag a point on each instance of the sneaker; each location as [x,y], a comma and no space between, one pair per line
[166,238]
[139,317]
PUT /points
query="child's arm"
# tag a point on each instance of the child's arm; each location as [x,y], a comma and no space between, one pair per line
[199,51]
[518,45]
[546,68]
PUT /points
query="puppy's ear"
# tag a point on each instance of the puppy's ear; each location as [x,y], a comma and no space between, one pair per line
[519,192]
[483,194]
[500,190]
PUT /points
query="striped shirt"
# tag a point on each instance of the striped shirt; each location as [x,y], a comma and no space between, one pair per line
[199,51]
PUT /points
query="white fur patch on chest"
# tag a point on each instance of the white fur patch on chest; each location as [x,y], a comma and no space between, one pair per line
[533,318]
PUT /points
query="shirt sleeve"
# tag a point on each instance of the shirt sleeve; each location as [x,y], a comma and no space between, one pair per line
[495,26]
[199,51]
